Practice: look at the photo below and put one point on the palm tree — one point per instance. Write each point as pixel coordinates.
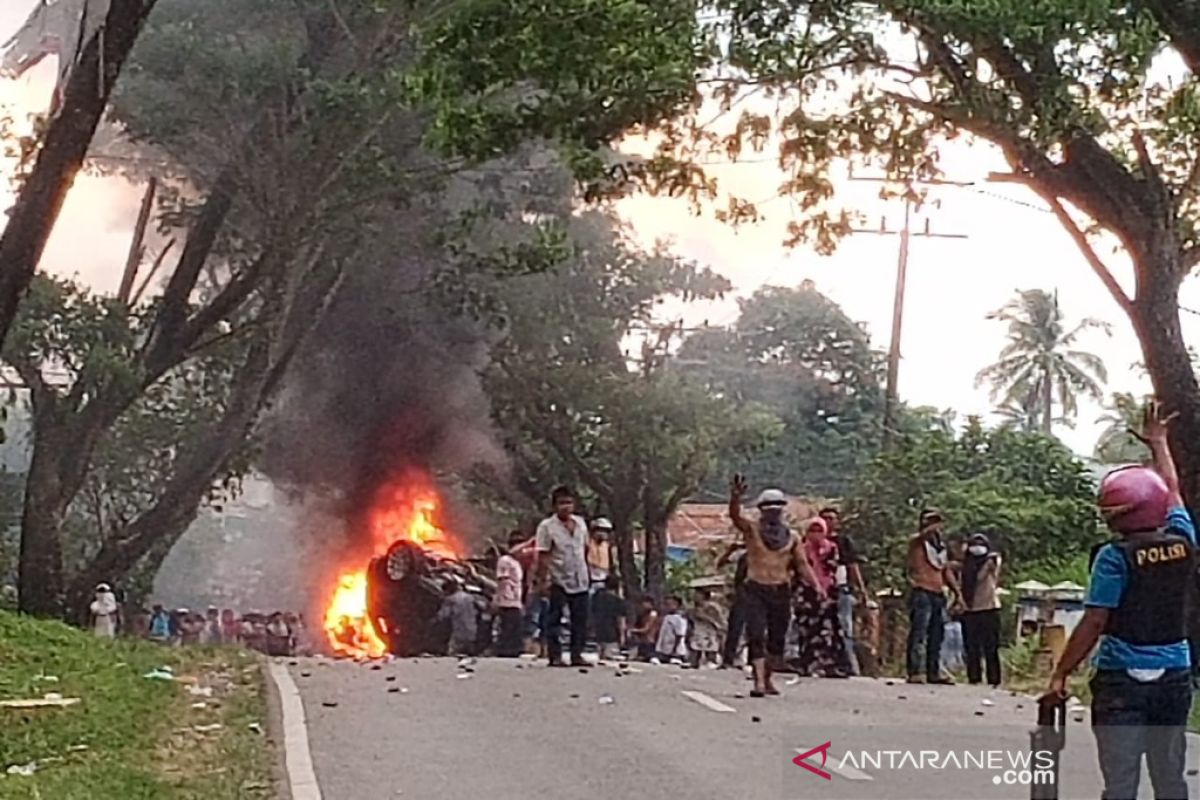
(1040, 367)
(1116, 444)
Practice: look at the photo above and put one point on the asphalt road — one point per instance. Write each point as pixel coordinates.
(518, 729)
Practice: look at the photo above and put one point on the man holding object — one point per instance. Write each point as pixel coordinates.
(1136, 608)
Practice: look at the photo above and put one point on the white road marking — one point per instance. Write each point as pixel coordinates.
(297, 758)
(708, 702)
(835, 765)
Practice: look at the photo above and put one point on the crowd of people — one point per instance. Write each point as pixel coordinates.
(279, 633)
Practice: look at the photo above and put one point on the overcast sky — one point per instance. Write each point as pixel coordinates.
(1013, 243)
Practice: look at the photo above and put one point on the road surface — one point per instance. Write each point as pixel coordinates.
(518, 729)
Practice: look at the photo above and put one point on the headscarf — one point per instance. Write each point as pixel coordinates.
(972, 566)
(775, 533)
(818, 552)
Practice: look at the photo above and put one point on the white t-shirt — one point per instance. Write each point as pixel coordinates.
(567, 552)
(510, 578)
(672, 636)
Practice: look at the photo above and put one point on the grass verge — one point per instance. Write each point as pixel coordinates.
(130, 737)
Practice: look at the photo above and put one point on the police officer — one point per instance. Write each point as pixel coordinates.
(1136, 608)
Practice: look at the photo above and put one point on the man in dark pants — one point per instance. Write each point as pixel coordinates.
(737, 609)
(563, 575)
(1136, 608)
(928, 579)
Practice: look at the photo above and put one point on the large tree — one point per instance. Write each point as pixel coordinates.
(286, 159)
(91, 70)
(1042, 365)
(574, 402)
(1093, 103)
(795, 353)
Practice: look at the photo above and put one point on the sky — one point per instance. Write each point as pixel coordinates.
(1013, 242)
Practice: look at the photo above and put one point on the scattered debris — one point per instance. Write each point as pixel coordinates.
(606, 700)
(979, 713)
(390, 679)
(901, 697)
(199, 706)
(890, 683)
(462, 676)
(160, 674)
(793, 681)
(78, 748)
(293, 663)
(305, 674)
(25, 770)
(574, 697)
(49, 701)
(404, 690)
(329, 703)
(256, 728)
(583, 670)
(855, 711)
(756, 719)
(216, 726)
(1193, 772)
(1020, 706)
(46, 678)
(394, 690)
(516, 694)
(986, 702)
(739, 696)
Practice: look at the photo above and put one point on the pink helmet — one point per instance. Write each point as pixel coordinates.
(1134, 499)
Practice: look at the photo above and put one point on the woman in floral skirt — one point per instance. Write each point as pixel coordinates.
(822, 649)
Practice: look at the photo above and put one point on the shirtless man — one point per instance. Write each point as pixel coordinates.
(773, 553)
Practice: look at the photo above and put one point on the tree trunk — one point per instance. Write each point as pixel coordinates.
(656, 560)
(1155, 317)
(66, 143)
(1047, 389)
(631, 579)
(40, 572)
(179, 503)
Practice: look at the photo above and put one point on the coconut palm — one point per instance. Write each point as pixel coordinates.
(1041, 367)
(1116, 444)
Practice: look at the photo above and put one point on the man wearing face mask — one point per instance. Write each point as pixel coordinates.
(928, 577)
(980, 581)
(773, 553)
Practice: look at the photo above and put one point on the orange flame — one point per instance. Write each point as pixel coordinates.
(403, 509)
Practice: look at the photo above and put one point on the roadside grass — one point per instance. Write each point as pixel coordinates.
(131, 738)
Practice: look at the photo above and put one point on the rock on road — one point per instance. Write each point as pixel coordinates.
(518, 729)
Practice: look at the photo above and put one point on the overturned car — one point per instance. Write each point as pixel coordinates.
(405, 589)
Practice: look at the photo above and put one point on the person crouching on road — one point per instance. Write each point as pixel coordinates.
(1136, 607)
(460, 609)
(773, 552)
(672, 633)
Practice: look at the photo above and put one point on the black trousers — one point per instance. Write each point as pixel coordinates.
(578, 605)
(768, 612)
(737, 626)
(509, 641)
(1132, 719)
(981, 640)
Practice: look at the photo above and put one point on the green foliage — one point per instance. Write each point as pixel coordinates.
(497, 72)
(1116, 444)
(795, 354)
(1026, 491)
(572, 404)
(1041, 364)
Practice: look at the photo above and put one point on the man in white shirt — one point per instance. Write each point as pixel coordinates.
(562, 573)
(510, 605)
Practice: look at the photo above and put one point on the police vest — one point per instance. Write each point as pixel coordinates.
(1154, 606)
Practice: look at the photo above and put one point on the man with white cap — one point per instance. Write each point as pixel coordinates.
(599, 552)
(773, 554)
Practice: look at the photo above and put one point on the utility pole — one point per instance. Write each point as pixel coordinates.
(892, 397)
